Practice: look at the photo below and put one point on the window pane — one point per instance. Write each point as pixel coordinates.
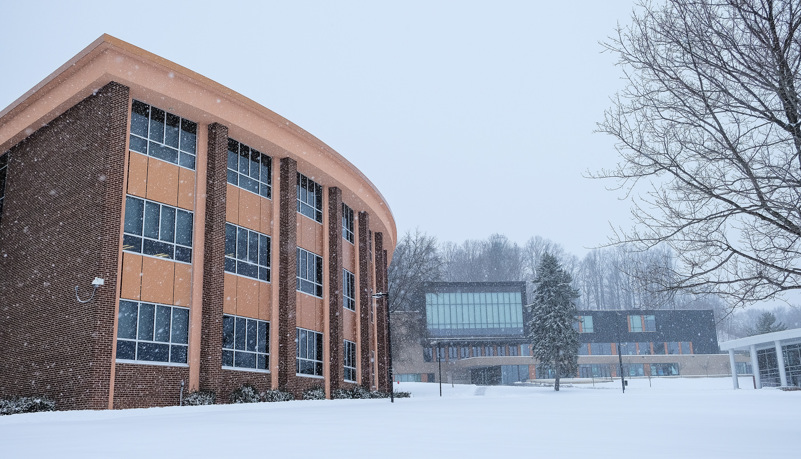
(139, 118)
(171, 130)
(188, 136)
(253, 247)
(263, 337)
(228, 332)
(230, 240)
(183, 228)
(152, 220)
(147, 313)
(156, 124)
(162, 328)
(153, 352)
(252, 336)
(241, 244)
(126, 328)
(178, 354)
(180, 325)
(240, 333)
(167, 224)
(126, 350)
(134, 213)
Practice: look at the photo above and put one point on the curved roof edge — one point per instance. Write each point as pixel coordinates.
(48, 99)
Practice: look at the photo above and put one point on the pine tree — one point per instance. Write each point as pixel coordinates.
(553, 311)
(766, 323)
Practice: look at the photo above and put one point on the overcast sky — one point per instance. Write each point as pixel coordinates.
(472, 118)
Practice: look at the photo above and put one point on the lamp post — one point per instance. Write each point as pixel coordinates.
(620, 354)
(385, 296)
(439, 366)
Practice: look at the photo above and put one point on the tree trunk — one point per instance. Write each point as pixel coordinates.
(556, 383)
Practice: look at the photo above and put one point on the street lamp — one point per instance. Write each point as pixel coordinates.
(385, 296)
(619, 353)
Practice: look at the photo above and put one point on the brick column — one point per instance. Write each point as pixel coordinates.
(335, 292)
(214, 261)
(382, 359)
(365, 300)
(287, 274)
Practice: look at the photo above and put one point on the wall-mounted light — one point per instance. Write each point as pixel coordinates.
(97, 282)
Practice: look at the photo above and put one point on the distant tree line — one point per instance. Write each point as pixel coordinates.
(613, 278)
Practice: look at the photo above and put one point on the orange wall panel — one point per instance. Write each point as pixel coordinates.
(349, 324)
(348, 256)
(137, 175)
(310, 235)
(249, 210)
(265, 301)
(131, 282)
(182, 291)
(162, 182)
(186, 189)
(266, 219)
(229, 290)
(247, 297)
(157, 280)
(232, 204)
(310, 312)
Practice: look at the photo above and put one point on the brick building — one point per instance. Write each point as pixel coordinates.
(234, 247)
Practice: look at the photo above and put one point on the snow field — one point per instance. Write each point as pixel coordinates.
(681, 418)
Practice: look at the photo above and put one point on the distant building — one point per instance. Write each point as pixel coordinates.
(775, 356)
(233, 246)
(477, 333)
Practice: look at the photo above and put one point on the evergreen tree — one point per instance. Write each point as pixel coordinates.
(766, 323)
(553, 311)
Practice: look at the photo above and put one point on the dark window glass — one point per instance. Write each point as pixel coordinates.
(183, 227)
(167, 226)
(156, 124)
(162, 326)
(178, 354)
(228, 332)
(240, 334)
(180, 326)
(167, 133)
(134, 214)
(152, 220)
(126, 350)
(147, 315)
(126, 323)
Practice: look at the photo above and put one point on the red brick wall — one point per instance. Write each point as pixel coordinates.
(287, 276)
(214, 262)
(143, 386)
(60, 228)
(381, 316)
(336, 325)
(364, 298)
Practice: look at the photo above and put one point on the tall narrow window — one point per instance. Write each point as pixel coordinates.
(347, 223)
(309, 273)
(310, 198)
(350, 361)
(249, 169)
(349, 289)
(585, 324)
(309, 353)
(163, 135)
(247, 252)
(246, 343)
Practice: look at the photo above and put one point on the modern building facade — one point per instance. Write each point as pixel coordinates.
(477, 333)
(233, 246)
(775, 358)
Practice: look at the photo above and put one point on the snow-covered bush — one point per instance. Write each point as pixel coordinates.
(277, 396)
(245, 394)
(200, 397)
(26, 405)
(402, 394)
(356, 392)
(315, 393)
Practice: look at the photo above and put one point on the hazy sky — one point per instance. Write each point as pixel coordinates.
(471, 118)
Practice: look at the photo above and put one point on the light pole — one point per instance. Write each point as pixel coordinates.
(385, 296)
(620, 354)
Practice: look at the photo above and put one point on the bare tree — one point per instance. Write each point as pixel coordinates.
(709, 123)
(416, 261)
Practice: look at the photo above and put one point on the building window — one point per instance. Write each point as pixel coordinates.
(157, 229)
(163, 135)
(525, 350)
(585, 324)
(464, 352)
(310, 198)
(152, 332)
(628, 348)
(452, 353)
(664, 369)
(249, 169)
(247, 253)
(584, 349)
(246, 343)
(501, 351)
(514, 350)
(309, 353)
(600, 349)
(350, 361)
(659, 348)
(594, 370)
(347, 223)
(686, 347)
(672, 347)
(476, 351)
(640, 323)
(3, 172)
(428, 354)
(634, 369)
(409, 377)
(475, 313)
(349, 289)
(310, 273)
(643, 348)
(489, 351)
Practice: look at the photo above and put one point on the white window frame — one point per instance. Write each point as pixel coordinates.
(348, 290)
(350, 361)
(232, 348)
(306, 356)
(309, 267)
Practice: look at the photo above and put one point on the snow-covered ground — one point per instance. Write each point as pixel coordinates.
(675, 418)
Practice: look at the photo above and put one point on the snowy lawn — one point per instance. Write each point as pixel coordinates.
(675, 418)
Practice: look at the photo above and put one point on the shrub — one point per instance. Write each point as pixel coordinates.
(200, 397)
(277, 396)
(245, 394)
(315, 393)
(26, 405)
(356, 392)
(401, 394)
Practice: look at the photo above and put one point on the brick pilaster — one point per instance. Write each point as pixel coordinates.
(214, 261)
(382, 359)
(365, 299)
(287, 272)
(335, 286)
